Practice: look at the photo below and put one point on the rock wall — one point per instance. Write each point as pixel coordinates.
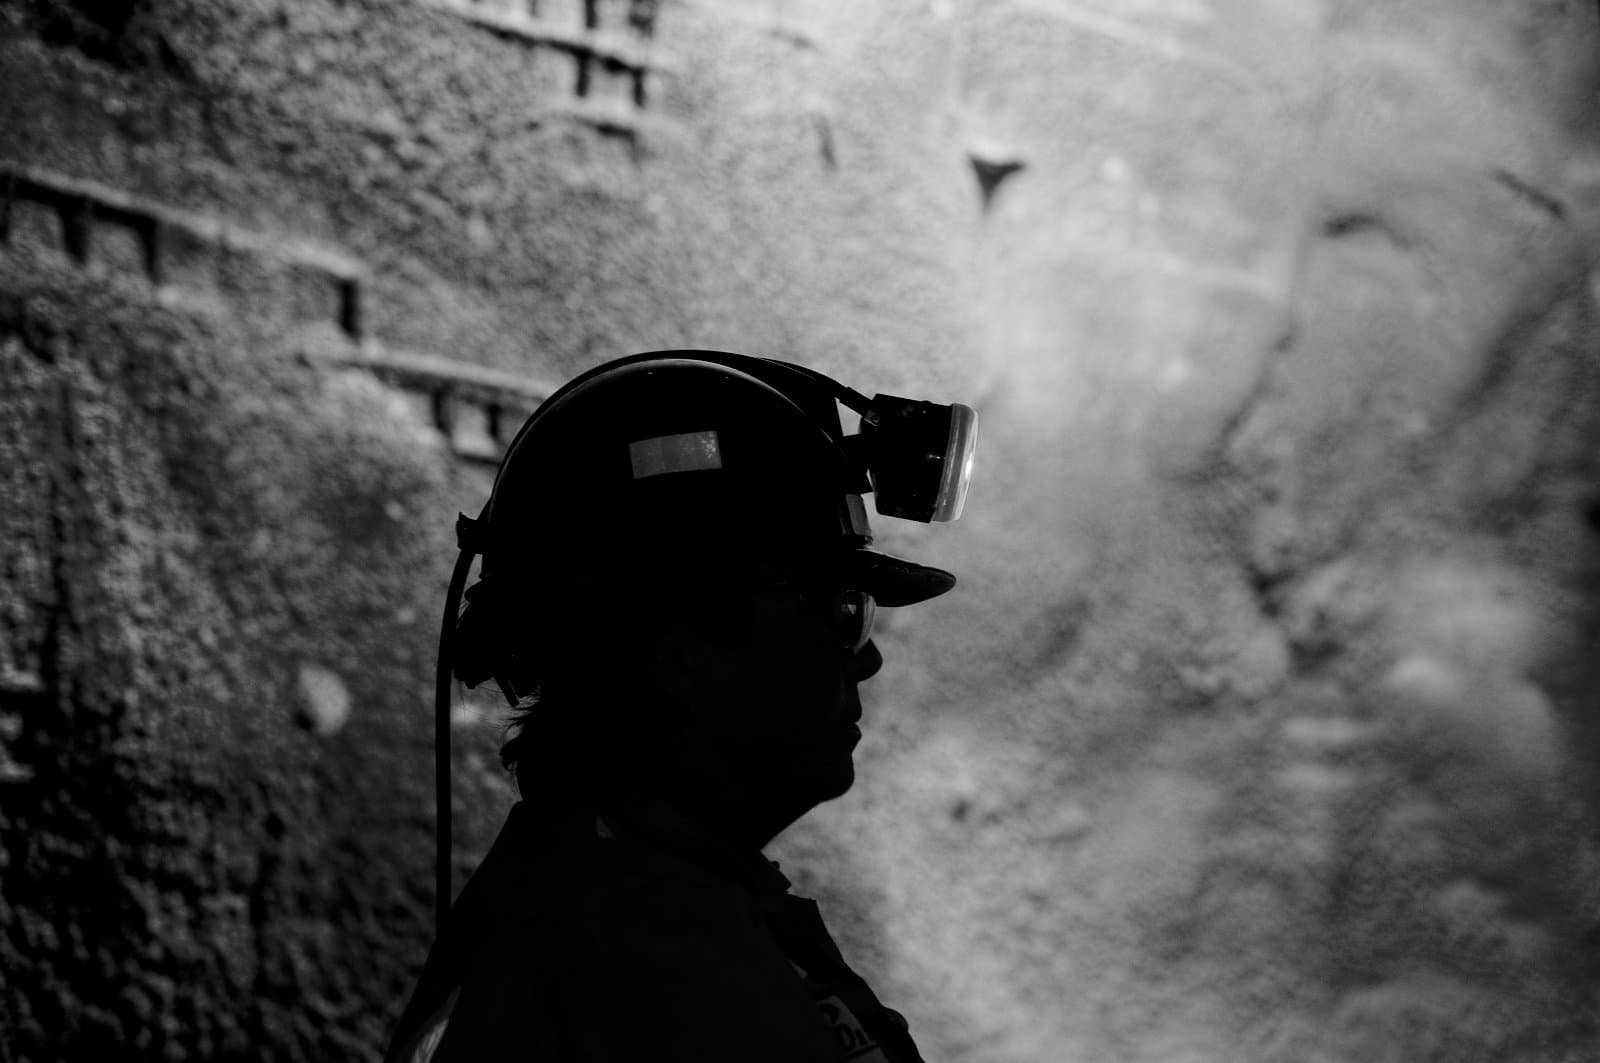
(1259, 728)
(1285, 755)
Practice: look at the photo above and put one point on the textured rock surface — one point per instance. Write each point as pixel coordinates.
(1260, 727)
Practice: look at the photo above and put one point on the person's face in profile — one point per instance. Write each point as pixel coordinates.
(766, 672)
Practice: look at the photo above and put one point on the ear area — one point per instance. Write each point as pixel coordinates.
(504, 633)
(480, 642)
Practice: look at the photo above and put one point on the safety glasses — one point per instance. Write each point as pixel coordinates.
(854, 612)
(850, 611)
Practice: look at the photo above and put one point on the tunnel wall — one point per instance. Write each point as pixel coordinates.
(1260, 726)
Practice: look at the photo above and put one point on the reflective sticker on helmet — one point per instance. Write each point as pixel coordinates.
(680, 453)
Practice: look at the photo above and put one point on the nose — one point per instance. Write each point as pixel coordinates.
(866, 662)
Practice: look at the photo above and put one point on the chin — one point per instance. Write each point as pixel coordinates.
(839, 782)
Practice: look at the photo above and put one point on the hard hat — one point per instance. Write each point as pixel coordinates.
(673, 462)
(667, 466)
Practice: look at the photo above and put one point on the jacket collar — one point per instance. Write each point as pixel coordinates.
(651, 821)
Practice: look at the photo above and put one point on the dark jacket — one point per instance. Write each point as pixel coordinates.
(599, 939)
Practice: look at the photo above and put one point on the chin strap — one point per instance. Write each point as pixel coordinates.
(467, 535)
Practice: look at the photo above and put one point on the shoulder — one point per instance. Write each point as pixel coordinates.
(614, 950)
(678, 963)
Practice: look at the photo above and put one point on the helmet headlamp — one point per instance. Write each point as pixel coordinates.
(920, 456)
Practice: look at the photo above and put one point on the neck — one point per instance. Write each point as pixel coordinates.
(732, 820)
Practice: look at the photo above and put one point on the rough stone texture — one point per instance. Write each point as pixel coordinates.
(1260, 726)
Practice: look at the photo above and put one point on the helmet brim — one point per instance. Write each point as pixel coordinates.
(893, 581)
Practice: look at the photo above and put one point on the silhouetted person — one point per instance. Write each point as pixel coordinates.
(676, 593)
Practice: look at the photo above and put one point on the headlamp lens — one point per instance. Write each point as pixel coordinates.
(956, 473)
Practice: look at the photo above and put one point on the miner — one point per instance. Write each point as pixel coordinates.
(677, 597)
